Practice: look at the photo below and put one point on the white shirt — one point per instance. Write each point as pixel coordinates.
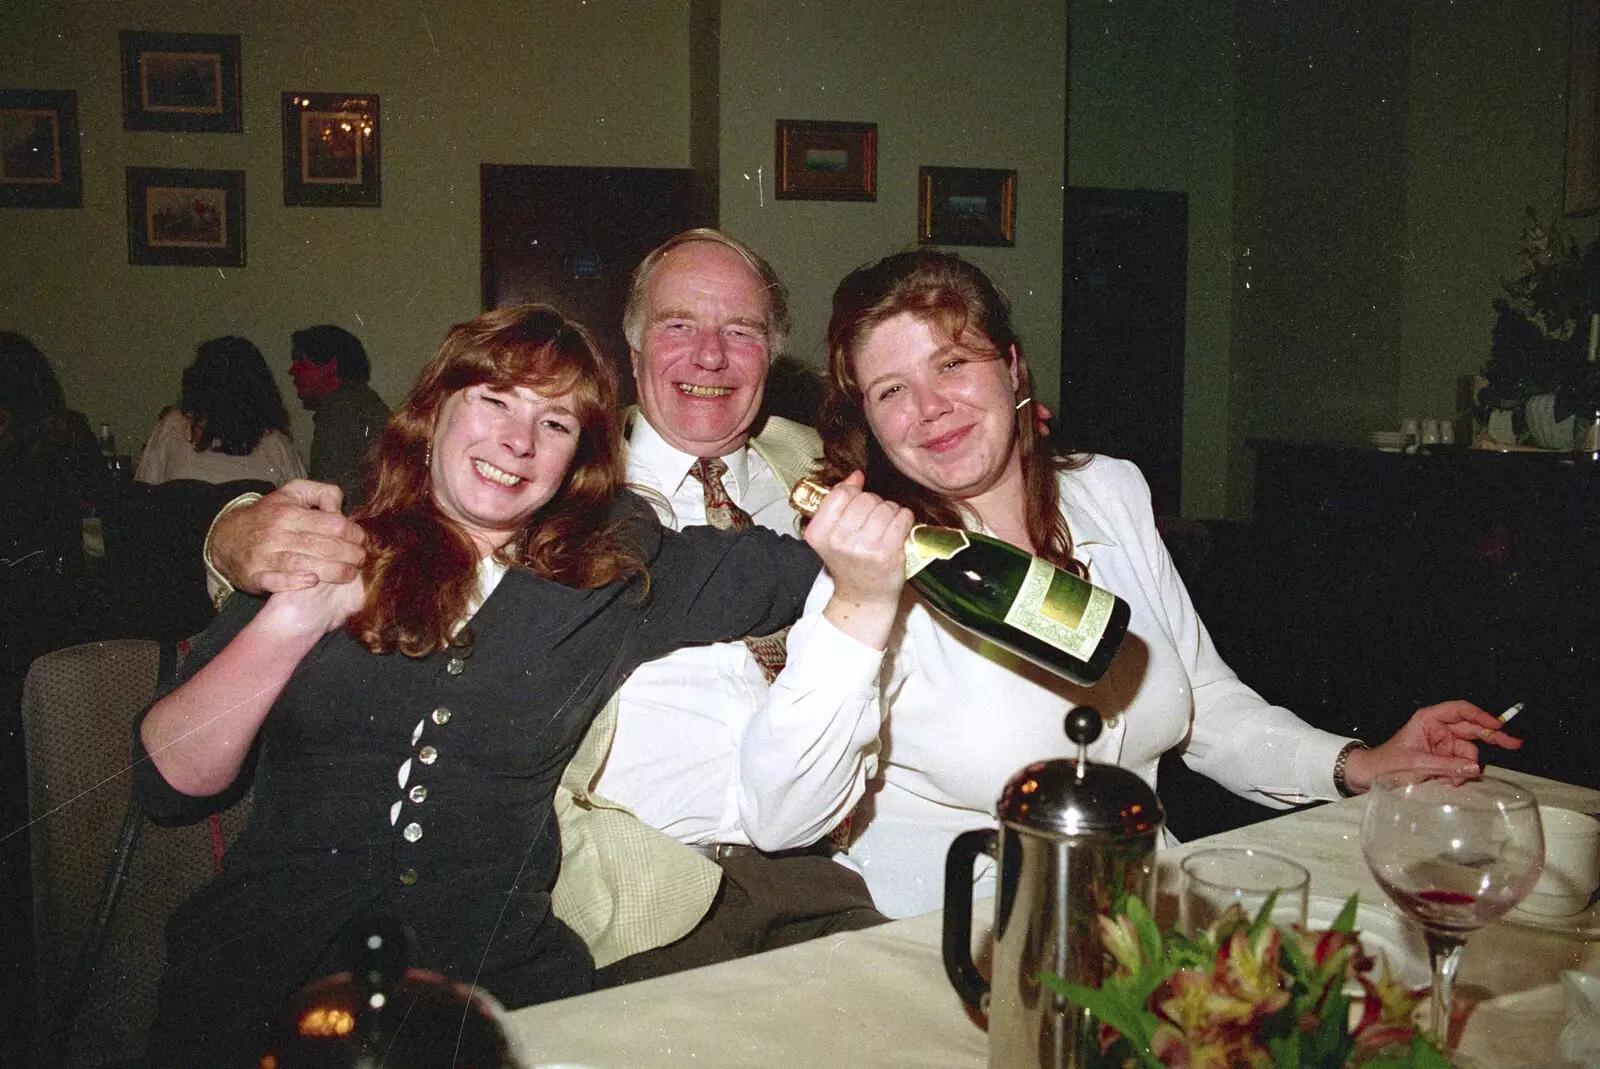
(682, 718)
(170, 454)
(963, 716)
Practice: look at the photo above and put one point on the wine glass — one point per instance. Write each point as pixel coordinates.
(1455, 854)
(1212, 880)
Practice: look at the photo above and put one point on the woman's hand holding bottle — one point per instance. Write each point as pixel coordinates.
(861, 539)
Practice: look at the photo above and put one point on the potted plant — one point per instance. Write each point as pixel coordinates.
(1245, 994)
(1538, 374)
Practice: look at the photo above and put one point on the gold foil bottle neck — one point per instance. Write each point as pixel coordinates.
(807, 495)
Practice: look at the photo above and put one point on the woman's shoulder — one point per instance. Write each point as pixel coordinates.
(637, 526)
(171, 421)
(273, 438)
(1101, 477)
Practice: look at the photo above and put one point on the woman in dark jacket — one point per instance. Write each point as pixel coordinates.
(405, 732)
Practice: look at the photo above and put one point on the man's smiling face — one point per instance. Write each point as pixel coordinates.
(703, 362)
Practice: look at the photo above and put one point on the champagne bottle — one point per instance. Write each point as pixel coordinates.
(1014, 599)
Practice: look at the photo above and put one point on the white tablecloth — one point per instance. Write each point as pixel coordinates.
(880, 997)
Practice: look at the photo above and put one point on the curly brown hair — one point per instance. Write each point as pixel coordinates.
(960, 301)
(421, 566)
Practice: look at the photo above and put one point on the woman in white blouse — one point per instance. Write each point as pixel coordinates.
(230, 423)
(930, 396)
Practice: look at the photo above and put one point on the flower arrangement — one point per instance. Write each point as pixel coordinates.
(1242, 993)
(1540, 341)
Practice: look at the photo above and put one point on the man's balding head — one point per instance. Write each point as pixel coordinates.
(704, 319)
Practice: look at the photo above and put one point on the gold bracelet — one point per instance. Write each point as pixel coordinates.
(1339, 763)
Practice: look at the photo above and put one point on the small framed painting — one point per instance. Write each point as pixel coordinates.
(826, 160)
(330, 150)
(185, 82)
(40, 164)
(183, 218)
(966, 206)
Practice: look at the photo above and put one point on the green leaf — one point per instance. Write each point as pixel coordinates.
(1131, 1020)
(1418, 1054)
(1345, 922)
(1332, 1036)
(1263, 917)
(1425, 1055)
(1285, 1051)
(1144, 924)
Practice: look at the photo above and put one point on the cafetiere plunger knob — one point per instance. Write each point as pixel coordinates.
(1083, 727)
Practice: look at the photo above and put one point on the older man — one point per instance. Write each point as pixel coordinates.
(705, 318)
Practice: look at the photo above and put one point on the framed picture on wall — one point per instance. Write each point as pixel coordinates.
(826, 160)
(330, 150)
(183, 218)
(186, 82)
(1583, 116)
(40, 165)
(966, 206)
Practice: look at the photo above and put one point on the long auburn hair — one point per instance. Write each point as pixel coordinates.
(421, 567)
(957, 299)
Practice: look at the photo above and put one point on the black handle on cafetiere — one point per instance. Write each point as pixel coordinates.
(958, 963)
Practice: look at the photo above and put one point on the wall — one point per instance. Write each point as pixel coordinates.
(463, 82)
(1488, 121)
(1356, 178)
(1319, 225)
(1373, 161)
(1151, 107)
(968, 92)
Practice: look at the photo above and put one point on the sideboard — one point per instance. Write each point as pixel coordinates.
(1376, 582)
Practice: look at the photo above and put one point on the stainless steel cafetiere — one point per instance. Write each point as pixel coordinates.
(1074, 837)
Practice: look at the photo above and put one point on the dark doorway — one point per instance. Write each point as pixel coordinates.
(1124, 294)
(571, 237)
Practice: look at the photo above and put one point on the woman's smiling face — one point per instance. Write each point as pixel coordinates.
(943, 411)
(499, 456)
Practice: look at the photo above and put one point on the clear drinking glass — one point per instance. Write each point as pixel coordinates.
(1454, 854)
(1209, 881)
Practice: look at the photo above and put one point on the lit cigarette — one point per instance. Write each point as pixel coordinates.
(1504, 718)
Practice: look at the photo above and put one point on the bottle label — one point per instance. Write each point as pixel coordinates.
(928, 544)
(1059, 608)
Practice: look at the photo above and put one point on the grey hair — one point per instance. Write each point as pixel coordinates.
(637, 310)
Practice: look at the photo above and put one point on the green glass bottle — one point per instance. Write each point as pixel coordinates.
(1014, 599)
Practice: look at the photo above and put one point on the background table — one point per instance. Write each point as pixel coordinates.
(880, 998)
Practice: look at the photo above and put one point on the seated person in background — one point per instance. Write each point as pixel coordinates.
(330, 370)
(51, 476)
(928, 395)
(50, 466)
(230, 423)
(405, 731)
(667, 867)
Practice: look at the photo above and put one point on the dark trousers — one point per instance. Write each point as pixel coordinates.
(765, 902)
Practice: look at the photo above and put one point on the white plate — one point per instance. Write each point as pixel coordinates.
(1383, 934)
(1582, 925)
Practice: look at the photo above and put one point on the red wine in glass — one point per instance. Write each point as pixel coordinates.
(1452, 911)
(1454, 855)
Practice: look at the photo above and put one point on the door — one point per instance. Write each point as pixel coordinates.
(571, 237)
(1124, 296)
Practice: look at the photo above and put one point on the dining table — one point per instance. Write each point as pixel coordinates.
(879, 997)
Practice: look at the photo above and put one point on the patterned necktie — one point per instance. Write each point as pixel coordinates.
(768, 650)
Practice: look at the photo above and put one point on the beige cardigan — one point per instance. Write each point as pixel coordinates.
(626, 887)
